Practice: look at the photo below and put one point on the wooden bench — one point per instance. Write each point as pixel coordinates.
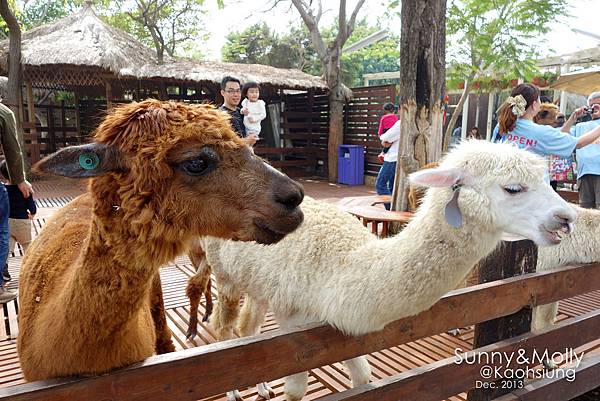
(569, 196)
(376, 216)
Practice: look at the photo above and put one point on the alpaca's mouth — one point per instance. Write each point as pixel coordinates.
(265, 234)
(556, 236)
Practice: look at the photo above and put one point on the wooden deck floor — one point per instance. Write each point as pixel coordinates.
(51, 195)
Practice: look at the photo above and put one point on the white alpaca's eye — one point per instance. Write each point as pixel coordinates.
(513, 189)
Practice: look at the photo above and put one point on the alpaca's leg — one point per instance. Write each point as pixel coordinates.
(164, 342)
(226, 312)
(295, 386)
(542, 317)
(224, 318)
(209, 301)
(252, 316)
(360, 370)
(197, 284)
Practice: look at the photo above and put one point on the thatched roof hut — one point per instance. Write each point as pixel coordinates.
(83, 55)
(82, 50)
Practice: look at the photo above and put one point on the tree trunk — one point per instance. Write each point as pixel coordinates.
(458, 111)
(337, 100)
(15, 74)
(422, 87)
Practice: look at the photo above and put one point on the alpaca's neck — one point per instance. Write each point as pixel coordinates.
(111, 283)
(408, 273)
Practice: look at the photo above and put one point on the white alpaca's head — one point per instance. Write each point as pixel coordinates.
(501, 188)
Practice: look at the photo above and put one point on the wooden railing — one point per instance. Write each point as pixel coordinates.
(204, 371)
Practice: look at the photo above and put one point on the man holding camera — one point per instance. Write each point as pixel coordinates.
(588, 157)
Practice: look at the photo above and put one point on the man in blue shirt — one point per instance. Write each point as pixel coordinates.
(588, 157)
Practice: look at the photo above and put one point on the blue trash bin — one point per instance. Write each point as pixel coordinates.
(351, 164)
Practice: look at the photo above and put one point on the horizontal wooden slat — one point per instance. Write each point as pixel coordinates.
(285, 151)
(306, 136)
(204, 371)
(586, 375)
(291, 163)
(447, 377)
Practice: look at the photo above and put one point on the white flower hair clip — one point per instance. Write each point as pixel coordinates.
(518, 103)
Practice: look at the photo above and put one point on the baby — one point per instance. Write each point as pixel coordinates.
(253, 108)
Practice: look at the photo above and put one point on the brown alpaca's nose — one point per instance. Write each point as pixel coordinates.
(288, 193)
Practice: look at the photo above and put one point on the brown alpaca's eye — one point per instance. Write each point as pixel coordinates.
(194, 167)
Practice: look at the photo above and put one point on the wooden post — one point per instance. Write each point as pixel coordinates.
(465, 118)
(509, 259)
(490, 116)
(109, 103)
(162, 91)
(77, 117)
(35, 149)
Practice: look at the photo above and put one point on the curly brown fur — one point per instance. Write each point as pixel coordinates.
(164, 342)
(549, 114)
(86, 280)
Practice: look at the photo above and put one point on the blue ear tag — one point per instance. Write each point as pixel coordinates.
(89, 161)
(452, 212)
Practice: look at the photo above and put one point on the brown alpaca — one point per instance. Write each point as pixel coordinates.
(164, 173)
(549, 114)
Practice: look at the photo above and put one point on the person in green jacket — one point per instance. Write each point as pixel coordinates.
(16, 170)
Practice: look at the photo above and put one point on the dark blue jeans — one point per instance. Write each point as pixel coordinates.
(4, 234)
(385, 180)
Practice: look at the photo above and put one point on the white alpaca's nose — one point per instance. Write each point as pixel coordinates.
(566, 217)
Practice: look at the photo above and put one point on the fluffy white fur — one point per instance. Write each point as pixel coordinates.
(334, 270)
(578, 247)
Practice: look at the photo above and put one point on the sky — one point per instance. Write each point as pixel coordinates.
(240, 14)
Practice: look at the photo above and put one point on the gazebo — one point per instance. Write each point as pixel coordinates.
(99, 65)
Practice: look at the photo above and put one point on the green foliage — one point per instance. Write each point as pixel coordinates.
(382, 56)
(258, 44)
(488, 39)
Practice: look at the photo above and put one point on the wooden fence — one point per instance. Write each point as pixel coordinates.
(306, 125)
(361, 121)
(205, 371)
(56, 126)
(304, 138)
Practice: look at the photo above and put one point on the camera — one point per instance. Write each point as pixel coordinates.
(589, 109)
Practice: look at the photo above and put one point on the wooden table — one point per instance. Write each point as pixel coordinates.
(378, 199)
(375, 216)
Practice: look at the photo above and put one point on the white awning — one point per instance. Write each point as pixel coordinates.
(582, 82)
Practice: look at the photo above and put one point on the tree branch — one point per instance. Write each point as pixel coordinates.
(313, 28)
(352, 20)
(342, 33)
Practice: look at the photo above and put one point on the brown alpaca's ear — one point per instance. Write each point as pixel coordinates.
(83, 161)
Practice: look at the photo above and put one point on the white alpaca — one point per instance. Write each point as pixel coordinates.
(334, 270)
(578, 247)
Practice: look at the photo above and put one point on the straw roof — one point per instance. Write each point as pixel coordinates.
(81, 39)
(84, 41)
(194, 70)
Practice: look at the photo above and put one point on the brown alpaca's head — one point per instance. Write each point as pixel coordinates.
(172, 171)
(549, 114)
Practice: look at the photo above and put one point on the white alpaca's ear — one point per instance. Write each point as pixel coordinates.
(440, 177)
